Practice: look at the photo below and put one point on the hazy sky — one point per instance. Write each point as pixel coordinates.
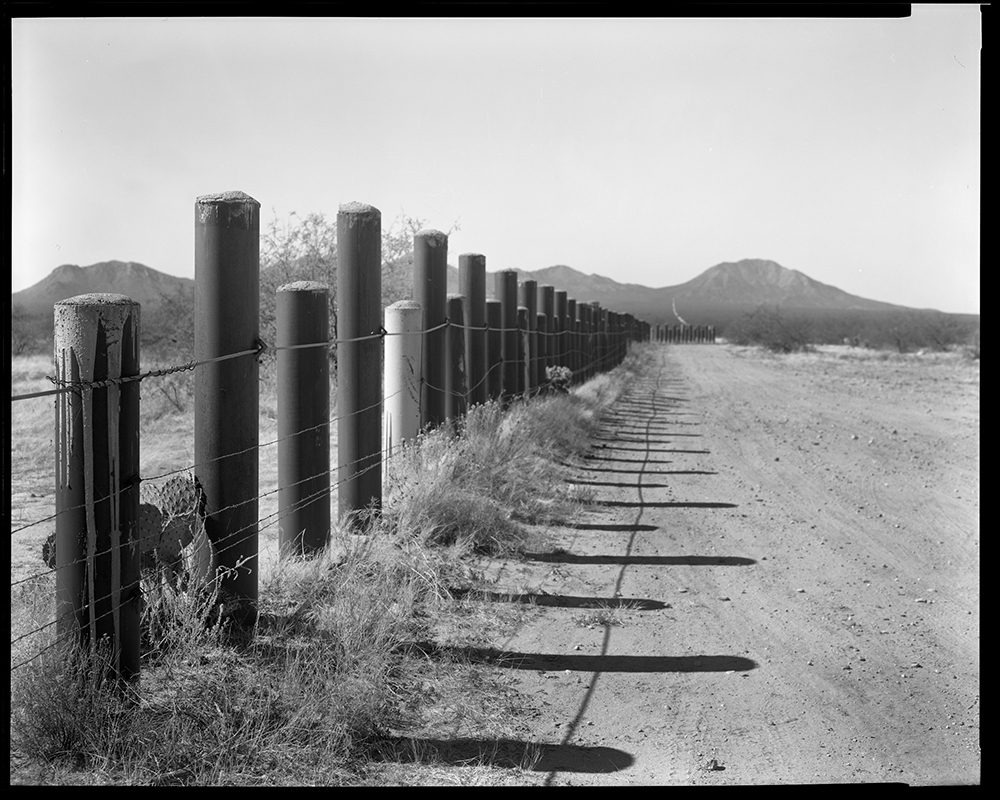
(643, 150)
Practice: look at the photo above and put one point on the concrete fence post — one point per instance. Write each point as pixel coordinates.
(303, 318)
(542, 341)
(560, 298)
(528, 297)
(455, 398)
(96, 338)
(404, 323)
(227, 394)
(430, 290)
(506, 293)
(359, 360)
(613, 337)
(547, 306)
(472, 285)
(523, 352)
(571, 348)
(599, 345)
(494, 350)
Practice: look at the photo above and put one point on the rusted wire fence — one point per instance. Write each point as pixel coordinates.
(421, 365)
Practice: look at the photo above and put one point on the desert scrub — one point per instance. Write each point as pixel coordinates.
(767, 327)
(473, 484)
(326, 676)
(330, 677)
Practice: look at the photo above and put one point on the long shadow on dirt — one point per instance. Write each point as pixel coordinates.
(565, 601)
(643, 471)
(589, 663)
(654, 561)
(508, 753)
(641, 504)
(608, 526)
(619, 448)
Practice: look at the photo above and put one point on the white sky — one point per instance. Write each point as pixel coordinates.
(643, 150)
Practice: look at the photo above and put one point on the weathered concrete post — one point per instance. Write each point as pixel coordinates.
(430, 290)
(612, 340)
(541, 340)
(303, 318)
(359, 360)
(227, 393)
(547, 306)
(527, 296)
(455, 398)
(506, 293)
(571, 336)
(577, 338)
(599, 345)
(96, 338)
(472, 285)
(494, 353)
(562, 349)
(404, 323)
(523, 351)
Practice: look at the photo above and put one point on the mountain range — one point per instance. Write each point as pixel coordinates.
(143, 284)
(721, 291)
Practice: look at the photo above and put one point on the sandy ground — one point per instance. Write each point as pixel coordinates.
(779, 585)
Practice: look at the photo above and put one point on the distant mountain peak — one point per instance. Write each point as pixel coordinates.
(143, 284)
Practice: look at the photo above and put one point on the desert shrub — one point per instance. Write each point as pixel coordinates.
(971, 346)
(328, 672)
(30, 332)
(559, 379)
(474, 485)
(767, 327)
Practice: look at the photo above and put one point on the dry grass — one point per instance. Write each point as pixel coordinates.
(329, 688)
(475, 485)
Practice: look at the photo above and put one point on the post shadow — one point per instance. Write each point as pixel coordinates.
(640, 504)
(506, 753)
(580, 662)
(645, 471)
(564, 601)
(648, 561)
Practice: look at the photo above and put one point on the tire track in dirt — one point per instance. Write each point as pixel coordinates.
(650, 433)
(574, 724)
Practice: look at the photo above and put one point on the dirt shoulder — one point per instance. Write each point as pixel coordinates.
(779, 583)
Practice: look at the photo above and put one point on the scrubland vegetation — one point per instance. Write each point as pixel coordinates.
(904, 331)
(333, 685)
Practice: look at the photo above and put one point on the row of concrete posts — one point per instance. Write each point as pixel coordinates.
(683, 334)
(442, 354)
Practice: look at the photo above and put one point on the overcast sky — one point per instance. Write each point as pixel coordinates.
(643, 150)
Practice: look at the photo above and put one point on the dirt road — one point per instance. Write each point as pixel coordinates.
(779, 584)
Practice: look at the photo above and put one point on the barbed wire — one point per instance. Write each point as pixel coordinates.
(262, 348)
(192, 467)
(605, 341)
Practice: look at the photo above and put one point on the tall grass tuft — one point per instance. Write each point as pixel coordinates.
(326, 674)
(475, 483)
